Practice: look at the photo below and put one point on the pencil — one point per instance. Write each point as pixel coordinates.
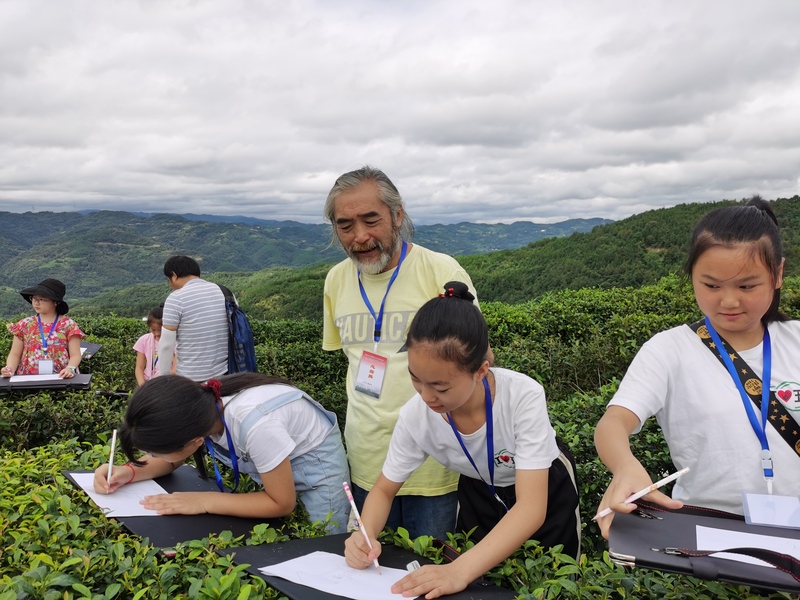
(607, 511)
(358, 521)
(111, 457)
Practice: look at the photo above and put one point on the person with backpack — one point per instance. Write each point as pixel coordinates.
(253, 423)
(196, 318)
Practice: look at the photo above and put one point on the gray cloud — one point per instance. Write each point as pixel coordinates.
(484, 112)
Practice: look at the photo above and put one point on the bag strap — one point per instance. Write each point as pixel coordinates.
(779, 417)
(262, 409)
(229, 297)
(784, 562)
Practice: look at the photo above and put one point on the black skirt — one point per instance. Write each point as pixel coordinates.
(479, 508)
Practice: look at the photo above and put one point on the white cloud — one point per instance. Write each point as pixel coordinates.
(478, 111)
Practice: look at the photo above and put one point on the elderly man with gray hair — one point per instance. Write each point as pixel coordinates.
(370, 299)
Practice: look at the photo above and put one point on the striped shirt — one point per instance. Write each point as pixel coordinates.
(198, 311)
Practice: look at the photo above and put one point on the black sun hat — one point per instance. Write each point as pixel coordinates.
(49, 288)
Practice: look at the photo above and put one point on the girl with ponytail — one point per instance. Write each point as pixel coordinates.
(255, 424)
(486, 423)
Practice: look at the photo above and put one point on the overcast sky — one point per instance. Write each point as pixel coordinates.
(479, 111)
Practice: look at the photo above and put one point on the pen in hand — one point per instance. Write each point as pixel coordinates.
(111, 457)
(607, 511)
(358, 521)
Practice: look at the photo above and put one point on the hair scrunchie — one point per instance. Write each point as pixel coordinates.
(457, 289)
(215, 385)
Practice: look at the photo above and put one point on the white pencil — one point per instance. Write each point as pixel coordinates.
(358, 521)
(607, 511)
(111, 458)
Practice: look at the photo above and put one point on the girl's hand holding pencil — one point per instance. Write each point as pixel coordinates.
(359, 550)
(108, 478)
(629, 482)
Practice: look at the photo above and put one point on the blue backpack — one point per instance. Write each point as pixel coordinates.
(241, 346)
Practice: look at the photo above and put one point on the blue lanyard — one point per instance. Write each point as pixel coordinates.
(489, 443)
(379, 317)
(50, 333)
(231, 452)
(760, 428)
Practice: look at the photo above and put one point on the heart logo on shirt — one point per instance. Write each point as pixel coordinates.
(785, 395)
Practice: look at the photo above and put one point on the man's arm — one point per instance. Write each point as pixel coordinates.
(166, 345)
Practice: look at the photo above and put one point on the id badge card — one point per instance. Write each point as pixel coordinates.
(45, 367)
(371, 372)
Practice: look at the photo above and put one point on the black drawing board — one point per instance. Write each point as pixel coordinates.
(165, 531)
(391, 556)
(632, 540)
(90, 349)
(81, 381)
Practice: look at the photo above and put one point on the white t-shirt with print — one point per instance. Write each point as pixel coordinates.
(677, 379)
(523, 436)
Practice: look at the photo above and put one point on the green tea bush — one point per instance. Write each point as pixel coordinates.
(55, 544)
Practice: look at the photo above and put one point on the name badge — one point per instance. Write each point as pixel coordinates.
(371, 372)
(45, 367)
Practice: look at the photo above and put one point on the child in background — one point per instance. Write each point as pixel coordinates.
(679, 376)
(254, 424)
(48, 343)
(486, 423)
(146, 348)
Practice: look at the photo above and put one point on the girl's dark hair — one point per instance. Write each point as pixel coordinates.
(156, 314)
(454, 325)
(167, 412)
(753, 223)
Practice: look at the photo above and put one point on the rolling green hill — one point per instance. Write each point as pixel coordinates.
(632, 252)
(102, 253)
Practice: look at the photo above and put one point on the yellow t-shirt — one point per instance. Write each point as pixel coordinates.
(348, 325)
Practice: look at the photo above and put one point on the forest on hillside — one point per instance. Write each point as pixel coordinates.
(636, 251)
(105, 251)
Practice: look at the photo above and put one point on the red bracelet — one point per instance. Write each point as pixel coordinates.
(133, 472)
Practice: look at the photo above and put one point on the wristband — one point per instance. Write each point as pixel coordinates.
(133, 473)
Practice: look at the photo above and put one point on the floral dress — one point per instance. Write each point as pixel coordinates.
(57, 343)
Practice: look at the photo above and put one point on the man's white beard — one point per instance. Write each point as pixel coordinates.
(378, 266)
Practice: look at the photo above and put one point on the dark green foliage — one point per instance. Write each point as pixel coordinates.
(578, 344)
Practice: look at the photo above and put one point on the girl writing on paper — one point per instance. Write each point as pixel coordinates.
(147, 365)
(48, 343)
(253, 423)
(486, 423)
(703, 382)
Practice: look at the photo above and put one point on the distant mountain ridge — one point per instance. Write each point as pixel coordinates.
(97, 252)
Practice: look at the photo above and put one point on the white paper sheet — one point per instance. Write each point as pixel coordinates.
(709, 538)
(772, 510)
(22, 378)
(329, 573)
(125, 501)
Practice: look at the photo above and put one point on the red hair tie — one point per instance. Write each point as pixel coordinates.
(215, 385)
(448, 293)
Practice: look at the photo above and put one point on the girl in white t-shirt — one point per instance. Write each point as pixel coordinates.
(253, 423)
(735, 264)
(488, 424)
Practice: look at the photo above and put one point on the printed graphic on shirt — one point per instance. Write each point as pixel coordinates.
(504, 458)
(788, 392)
(359, 328)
